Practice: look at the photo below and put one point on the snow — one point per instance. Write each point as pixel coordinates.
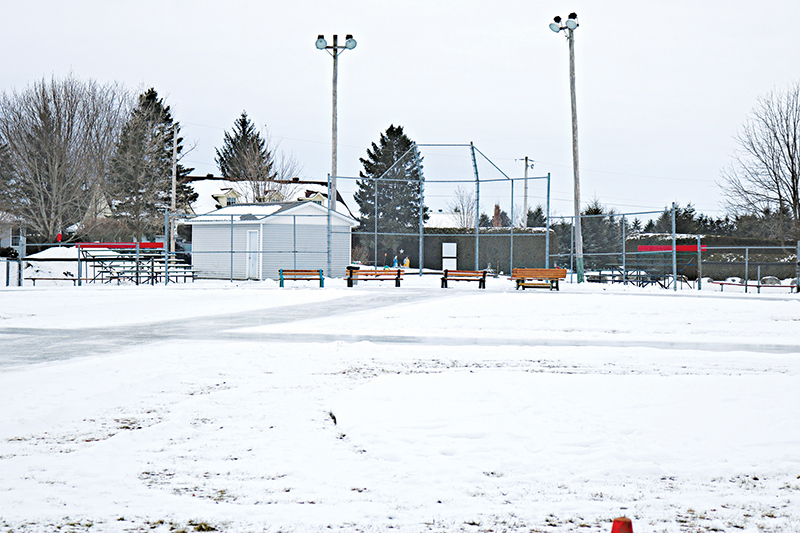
(455, 410)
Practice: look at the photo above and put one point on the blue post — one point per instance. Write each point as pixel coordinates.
(166, 248)
(699, 265)
(547, 235)
(477, 206)
(674, 252)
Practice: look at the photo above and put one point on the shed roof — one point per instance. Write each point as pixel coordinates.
(273, 212)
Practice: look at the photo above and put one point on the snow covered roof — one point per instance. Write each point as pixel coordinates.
(248, 213)
(207, 189)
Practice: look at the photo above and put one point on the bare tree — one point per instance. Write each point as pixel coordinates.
(270, 182)
(462, 207)
(56, 137)
(764, 177)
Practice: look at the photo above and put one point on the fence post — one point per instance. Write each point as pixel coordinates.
(746, 267)
(231, 248)
(571, 249)
(421, 210)
(8, 272)
(758, 281)
(329, 225)
(511, 245)
(674, 252)
(375, 243)
(137, 260)
(477, 206)
(80, 266)
(699, 265)
(624, 269)
(166, 251)
(547, 235)
(797, 269)
(294, 241)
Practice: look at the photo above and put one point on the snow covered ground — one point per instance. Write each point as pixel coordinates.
(246, 407)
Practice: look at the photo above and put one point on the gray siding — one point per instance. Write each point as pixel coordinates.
(305, 247)
(294, 241)
(211, 245)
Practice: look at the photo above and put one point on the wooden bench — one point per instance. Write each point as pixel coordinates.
(301, 275)
(538, 278)
(464, 275)
(380, 274)
(34, 280)
(748, 285)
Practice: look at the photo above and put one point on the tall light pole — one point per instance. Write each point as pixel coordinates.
(569, 26)
(334, 50)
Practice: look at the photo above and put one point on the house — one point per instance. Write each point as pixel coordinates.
(216, 193)
(253, 241)
(225, 197)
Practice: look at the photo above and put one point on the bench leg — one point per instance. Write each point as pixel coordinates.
(349, 282)
(444, 283)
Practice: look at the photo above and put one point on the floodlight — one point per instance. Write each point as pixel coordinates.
(321, 42)
(557, 19)
(350, 43)
(571, 24)
(555, 27)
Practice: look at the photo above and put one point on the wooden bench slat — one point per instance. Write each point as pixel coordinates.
(356, 274)
(538, 278)
(464, 275)
(301, 275)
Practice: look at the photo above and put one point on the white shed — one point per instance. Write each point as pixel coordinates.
(253, 241)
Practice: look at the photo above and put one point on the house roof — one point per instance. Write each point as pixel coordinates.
(209, 186)
(272, 212)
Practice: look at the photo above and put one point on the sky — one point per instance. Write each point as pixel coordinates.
(662, 88)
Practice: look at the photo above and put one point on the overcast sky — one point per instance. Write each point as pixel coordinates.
(662, 87)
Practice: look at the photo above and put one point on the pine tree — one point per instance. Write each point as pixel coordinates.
(139, 183)
(398, 191)
(251, 159)
(536, 218)
(244, 155)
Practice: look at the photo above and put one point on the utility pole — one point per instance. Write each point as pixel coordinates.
(335, 123)
(525, 196)
(575, 165)
(569, 26)
(334, 50)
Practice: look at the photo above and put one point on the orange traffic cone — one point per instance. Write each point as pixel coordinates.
(622, 525)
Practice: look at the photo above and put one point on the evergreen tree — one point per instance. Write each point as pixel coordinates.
(602, 233)
(247, 157)
(536, 218)
(139, 183)
(398, 191)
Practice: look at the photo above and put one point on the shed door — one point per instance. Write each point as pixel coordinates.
(252, 255)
